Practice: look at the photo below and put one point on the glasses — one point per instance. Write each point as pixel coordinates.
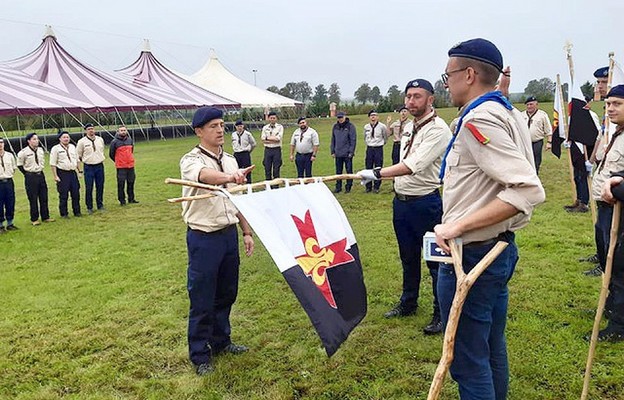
(445, 76)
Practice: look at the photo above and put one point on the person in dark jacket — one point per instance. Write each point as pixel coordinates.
(342, 148)
(122, 153)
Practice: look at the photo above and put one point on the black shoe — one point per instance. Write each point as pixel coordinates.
(337, 190)
(133, 202)
(581, 208)
(590, 259)
(348, 190)
(610, 335)
(375, 191)
(122, 204)
(368, 190)
(596, 271)
(65, 216)
(204, 369)
(89, 211)
(78, 215)
(234, 349)
(571, 206)
(11, 227)
(400, 311)
(434, 327)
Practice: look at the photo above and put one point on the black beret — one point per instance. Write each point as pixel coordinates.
(238, 122)
(61, 133)
(300, 119)
(340, 114)
(616, 91)
(371, 112)
(419, 83)
(601, 72)
(203, 115)
(480, 50)
(89, 125)
(29, 136)
(530, 99)
(272, 113)
(402, 108)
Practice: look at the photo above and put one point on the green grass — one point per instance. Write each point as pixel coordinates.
(96, 307)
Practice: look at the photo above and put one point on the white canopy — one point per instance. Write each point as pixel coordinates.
(214, 77)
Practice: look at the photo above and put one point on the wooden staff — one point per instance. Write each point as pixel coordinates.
(462, 286)
(606, 279)
(563, 124)
(243, 188)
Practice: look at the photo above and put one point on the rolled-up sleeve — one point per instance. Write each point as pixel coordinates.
(190, 167)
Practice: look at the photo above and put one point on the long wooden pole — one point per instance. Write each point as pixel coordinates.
(246, 187)
(592, 203)
(606, 279)
(462, 286)
(563, 123)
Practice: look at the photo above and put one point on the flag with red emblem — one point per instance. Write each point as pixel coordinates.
(307, 234)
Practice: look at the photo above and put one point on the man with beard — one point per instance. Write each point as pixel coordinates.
(122, 153)
(305, 142)
(417, 205)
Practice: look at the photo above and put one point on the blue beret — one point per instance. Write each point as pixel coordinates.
(419, 83)
(29, 136)
(480, 50)
(530, 99)
(272, 113)
(238, 122)
(340, 114)
(300, 119)
(61, 133)
(203, 115)
(371, 112)
(616, 91)
(601, 72)
(88, 126)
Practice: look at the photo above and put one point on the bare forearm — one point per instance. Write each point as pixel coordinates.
(493, 213)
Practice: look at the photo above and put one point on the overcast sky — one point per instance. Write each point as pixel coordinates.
(348, 42)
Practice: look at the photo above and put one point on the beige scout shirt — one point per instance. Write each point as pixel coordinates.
(540, 125)
(377, 138)
(613, 162)
(91, 151)
(268, 130)
(26, 158)
(397, 128)
(476, 174)
(64, 158)
(424, 157)
(7, 165)
(304, 142)
(243, 141)
(211, 214)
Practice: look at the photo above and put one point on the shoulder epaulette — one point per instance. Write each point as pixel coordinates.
(477, 135)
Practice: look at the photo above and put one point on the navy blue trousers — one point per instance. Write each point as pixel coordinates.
(94, 174)
(69, 184)
(582, 188)
(374, 158)
(272, 162)
(243, 159)
(7, 200)
(37, 192)
(480, 364)
(411, 220)
(347, 164)
(212, 288)
(304, 165)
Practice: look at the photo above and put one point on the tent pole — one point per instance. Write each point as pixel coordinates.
(162, 137)
(138, 122)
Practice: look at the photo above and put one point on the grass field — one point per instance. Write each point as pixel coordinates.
(96, 307)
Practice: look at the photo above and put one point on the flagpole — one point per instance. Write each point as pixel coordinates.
(606, 279)
(563, 122)
(607, 122)
(246, 187)
(462, 286)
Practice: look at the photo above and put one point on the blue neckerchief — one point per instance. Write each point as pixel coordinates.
(496, 96)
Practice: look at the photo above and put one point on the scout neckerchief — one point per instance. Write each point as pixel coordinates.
(415, 129)
(210, 155)
(496, 96)
(240, 135)
(373, 130)
(2, 161)
(35, 151)
(401, 123)
(92, 142)
(604, 158)
(530, 121)
(302, 131)
(67, 151)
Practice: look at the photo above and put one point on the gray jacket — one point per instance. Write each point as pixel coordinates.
(343, 139)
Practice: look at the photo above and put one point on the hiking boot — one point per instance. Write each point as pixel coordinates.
(434, 327)
(400, 311)
(204, 369)
(571, 206)
(235, 349)
(11, 227)
(581, 208)
(596, 271)
(608, 334)
(590, 259)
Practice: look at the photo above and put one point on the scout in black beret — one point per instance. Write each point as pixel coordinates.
(480, 50)
(204, 115)
(419, 83)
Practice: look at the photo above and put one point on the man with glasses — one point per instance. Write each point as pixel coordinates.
(375, 136)
(490, 190)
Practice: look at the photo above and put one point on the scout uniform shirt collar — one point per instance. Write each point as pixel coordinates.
(35, 151)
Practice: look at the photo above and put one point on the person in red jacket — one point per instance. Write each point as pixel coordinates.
(122, 153)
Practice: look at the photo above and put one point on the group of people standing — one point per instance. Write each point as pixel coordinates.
(67, 161)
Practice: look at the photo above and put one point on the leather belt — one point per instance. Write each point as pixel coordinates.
(501, 237)
(405, 197)
(5, 180)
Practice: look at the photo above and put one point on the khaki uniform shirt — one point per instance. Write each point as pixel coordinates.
(613, 162)
(211, 214)
(64, 158)
(243, 141)
(304, 142)
(476, 174)
(268, 130)
(424, 157)
(7, 165)
(91, 151)
(377, 138)
(540, 125)
(26, 158)
(397, 128)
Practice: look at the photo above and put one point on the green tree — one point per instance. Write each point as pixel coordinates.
(362, 94)
(395, 97)
(375, 94)
(542, 89)
(442, 98)
(320, 103)
(334, 93)
(303, 91)
(289, 90)
(273, 89)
